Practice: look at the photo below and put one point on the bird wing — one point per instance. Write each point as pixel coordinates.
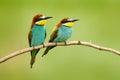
(52, 37)
(54, 34)
(45, 34)
(29, 38)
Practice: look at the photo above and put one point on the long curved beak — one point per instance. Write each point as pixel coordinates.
(75, 20)
(48, 17)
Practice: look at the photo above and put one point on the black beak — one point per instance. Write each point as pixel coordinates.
(48, 17)
(74, 20)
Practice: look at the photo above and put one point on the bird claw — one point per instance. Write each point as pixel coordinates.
(56, 43)
(43, 45)
(79, 42)
(33, 47)
(65, 43)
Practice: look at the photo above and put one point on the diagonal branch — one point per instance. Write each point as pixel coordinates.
(59, 44)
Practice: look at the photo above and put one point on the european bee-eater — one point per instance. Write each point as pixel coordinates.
(61, 32)
(37, 34)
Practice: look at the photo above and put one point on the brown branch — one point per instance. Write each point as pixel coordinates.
(58, 44)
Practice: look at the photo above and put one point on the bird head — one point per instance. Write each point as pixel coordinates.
(68, 22)
(39, 19)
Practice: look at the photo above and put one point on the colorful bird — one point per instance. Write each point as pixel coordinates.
(37, 34)
(61, 32)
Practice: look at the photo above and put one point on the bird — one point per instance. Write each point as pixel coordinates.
(37, 34)
(61, 32)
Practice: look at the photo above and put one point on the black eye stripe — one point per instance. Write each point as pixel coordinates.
(65, 21)
(38, 19)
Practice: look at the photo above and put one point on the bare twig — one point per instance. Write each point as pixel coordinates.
(58, 44)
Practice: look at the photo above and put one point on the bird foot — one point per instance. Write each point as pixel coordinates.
(65, 43)
(33, 47)
(43, 45)
(56, 43)
(79, 42)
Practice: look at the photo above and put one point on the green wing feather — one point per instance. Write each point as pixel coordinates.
(29, 38)
(33, 56)
(53, 36)
(33, 52)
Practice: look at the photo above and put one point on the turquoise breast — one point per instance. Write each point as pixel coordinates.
(37, 35)
(63, 34)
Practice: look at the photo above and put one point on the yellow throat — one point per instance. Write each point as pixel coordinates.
(41, 22)
(69, 24)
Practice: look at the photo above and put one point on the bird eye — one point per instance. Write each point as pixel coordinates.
(65, 21)
(38, 19)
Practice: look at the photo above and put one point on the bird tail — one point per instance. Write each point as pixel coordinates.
(33, 56)
(47, 49)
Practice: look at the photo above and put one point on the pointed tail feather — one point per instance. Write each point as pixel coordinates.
(47, 49)
(33, 56)
(32, 61)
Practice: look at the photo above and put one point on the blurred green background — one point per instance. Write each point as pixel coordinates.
(99, 23)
